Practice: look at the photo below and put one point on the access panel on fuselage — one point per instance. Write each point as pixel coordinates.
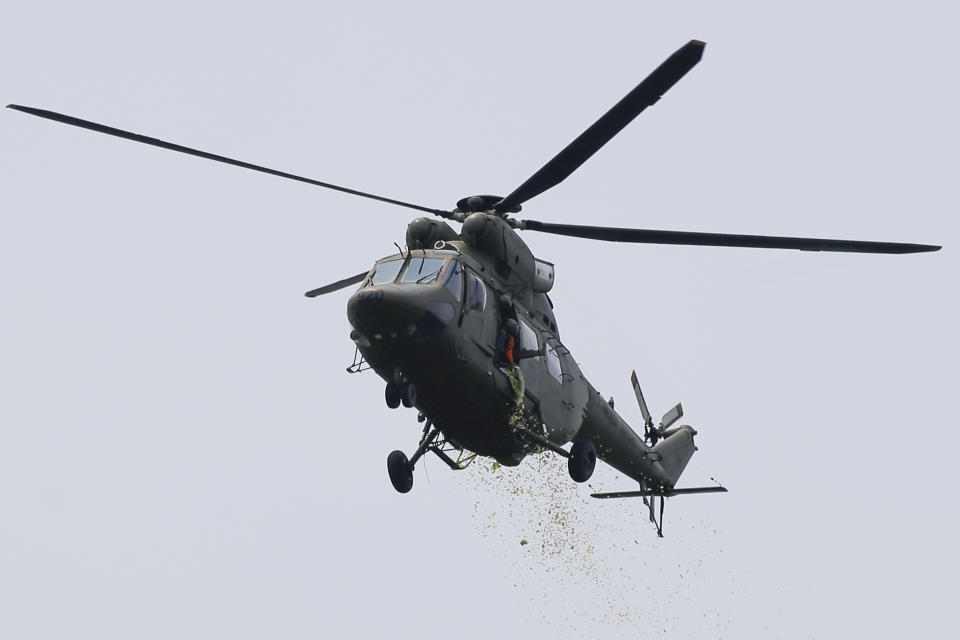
(553, 380)
(478, 324)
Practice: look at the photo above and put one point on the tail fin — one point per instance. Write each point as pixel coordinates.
(675, 451)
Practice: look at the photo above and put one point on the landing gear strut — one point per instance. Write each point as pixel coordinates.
(581, 459)
(400, 468)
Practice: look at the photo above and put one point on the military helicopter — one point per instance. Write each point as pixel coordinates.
(461, 327)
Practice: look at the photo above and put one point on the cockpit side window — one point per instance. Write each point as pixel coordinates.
(476, 293)
(528, 337)
(553, 363)
(453, 280)
(422, 270)
(385, 272)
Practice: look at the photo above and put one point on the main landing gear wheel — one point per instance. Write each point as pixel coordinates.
(408, 394)
(582, 460)
(392, 395)
(400, 470)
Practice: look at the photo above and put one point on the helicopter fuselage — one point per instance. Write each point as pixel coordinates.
(435, 317)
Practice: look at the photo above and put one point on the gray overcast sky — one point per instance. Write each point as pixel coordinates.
(182, 454)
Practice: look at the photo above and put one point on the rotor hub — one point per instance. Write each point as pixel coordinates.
(474, 204)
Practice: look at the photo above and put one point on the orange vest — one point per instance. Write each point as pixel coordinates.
(508, 350)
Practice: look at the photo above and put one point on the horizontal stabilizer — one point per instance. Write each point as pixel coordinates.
(664, 493)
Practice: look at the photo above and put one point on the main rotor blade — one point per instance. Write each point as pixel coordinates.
(120, 133)
(600, 132)
(336, 286)
(614, 234)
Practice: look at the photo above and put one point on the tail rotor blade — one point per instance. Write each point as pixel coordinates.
(648, 422)
(651, 507)
(671, 416)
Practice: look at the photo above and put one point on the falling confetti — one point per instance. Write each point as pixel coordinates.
(603, 562)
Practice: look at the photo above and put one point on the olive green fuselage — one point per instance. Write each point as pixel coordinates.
(435, 317)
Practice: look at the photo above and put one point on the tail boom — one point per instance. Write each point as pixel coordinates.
(619, 446)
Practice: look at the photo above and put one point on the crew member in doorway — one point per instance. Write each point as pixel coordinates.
(510, 331)
(508, 350)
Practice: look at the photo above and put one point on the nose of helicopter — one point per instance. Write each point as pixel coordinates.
(397, 311)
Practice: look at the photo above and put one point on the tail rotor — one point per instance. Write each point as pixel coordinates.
(670, 449)
(652, 434)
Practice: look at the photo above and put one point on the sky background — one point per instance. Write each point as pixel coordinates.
(183, 455)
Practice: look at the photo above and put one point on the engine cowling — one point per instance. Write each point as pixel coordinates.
(424, 233)
(493, 236)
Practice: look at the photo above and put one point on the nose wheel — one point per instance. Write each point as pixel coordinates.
(404, 393)
(392, 395)
(408, 394)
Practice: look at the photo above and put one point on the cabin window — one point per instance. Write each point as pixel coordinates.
(385, 272)
(422, 270)
(544, 308)
(453, 281)
(553, 363)
(476, 293)
(528, 338)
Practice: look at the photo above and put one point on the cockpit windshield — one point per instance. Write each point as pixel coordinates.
(386, 272)
(422, 270)
(412, 270)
